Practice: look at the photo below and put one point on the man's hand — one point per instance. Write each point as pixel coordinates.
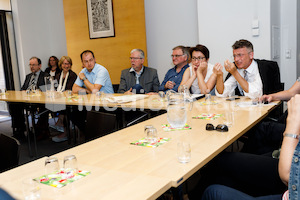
(128, 91)
(81, 75)
(229, 67)
(218, 69)
(170, 85)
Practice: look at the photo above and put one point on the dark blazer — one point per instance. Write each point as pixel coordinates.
(270, 76)
(57, 71)
(40, 82)
(71, 79)
(148, 80)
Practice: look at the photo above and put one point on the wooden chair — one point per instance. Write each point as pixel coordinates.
(9, 152)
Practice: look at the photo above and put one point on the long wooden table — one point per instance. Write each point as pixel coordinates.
(123, 171)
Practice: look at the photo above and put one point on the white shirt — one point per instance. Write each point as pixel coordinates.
(254, 82)
(195, 87)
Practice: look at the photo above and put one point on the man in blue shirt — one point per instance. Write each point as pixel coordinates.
(93, 77)
(173, 77)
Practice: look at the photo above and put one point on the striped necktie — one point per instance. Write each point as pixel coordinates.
(32, 81)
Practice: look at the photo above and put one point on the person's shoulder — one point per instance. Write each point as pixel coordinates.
(150, 69)
(72, 73)
(42, 73)
(263, 61)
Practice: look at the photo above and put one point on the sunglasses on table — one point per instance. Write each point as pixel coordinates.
(220, 127)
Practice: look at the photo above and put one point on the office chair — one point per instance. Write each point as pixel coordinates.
(9, 152)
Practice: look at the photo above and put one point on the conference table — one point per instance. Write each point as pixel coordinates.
(120, 170)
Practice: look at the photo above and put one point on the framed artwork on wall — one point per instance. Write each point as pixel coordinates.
(100, 14)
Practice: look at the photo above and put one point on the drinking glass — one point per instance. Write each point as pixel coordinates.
(31, 189)
(146, 129)
(151, 135)
(229, 118)
(70, 163)
(176, 111)
(183, 152)
(69, 93)
(161, 94)
(2, 91)
(51, 165)
(184, 90)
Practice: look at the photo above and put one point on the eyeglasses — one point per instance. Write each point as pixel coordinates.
(240, 55)
(176, 56)
(134, 58)
(66, 64)
(220, 127)
(32, 65)
(198, 58)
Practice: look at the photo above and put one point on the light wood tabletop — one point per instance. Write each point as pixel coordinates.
(120, 170)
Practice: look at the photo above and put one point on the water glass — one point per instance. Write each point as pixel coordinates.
(31, 189)
(208, 98)
(146, 129)
(51, 165)
(183, 152)
(177, 113)
(229, 118)
(70, 163)
(69, 93)
(99, 95)
(151, 135)
(161, 94)
(2, 91)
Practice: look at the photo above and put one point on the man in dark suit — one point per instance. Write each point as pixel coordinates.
(138, 78)
(34, 80)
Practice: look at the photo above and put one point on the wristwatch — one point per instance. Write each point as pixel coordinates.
(84, 78)
(291, 135)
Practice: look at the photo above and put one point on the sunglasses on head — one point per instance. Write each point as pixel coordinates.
(220, 127)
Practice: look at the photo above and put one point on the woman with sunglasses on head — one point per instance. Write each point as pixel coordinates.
(200, 77)
(53, 69)
(66, 78)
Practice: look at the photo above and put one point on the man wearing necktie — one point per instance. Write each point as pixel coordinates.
(244, 64)
(35, 79)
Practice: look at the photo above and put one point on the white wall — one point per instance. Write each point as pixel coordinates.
(288, 67)
(169, 23)
(39, 31)
(221, 23)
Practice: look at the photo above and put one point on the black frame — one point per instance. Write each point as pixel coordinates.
(5, 50)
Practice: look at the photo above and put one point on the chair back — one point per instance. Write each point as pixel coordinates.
(99, 124)
(9, 152)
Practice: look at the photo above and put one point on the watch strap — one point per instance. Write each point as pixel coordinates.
(291, 135)
(84, 78)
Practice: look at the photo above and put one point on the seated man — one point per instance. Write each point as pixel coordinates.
(173, 77)
(139, 78)
(93, 77)
(33, 80)
(244, 71)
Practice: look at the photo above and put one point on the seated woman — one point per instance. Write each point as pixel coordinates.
(200, 77)
(288, 167)
(66, 78)
(53, 69)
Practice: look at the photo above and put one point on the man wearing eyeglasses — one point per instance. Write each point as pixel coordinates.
(174, 76)
(138, 79)
(33, 80)
(244, 72)
(93, 77)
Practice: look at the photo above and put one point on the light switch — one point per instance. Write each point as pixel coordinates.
(288, 54)
(255, 23)
(255, 32)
